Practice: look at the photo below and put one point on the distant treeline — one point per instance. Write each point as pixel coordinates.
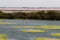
(41, 15)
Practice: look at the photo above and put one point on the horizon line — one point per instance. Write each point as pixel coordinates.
(29, 8)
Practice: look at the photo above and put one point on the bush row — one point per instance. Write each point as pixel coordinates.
(41, 15)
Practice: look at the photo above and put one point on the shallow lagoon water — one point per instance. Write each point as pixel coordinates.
(17, 34)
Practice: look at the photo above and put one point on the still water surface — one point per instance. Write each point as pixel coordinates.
(16, 34)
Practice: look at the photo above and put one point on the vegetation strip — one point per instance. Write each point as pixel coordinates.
(55, 34)
(33, 31)
(3, 37)
(43, 27)
(39, 15)
(46, 39)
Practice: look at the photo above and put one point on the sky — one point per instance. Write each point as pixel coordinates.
(29, 3)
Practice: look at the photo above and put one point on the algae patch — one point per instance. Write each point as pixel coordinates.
(33, 31)
(46, 39)
(51, 27)
(55, 34)
(42, 27)
(3, 37)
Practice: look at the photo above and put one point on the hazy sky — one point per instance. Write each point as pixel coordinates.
(29, 3)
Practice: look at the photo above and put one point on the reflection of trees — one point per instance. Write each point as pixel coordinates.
(49, 15)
